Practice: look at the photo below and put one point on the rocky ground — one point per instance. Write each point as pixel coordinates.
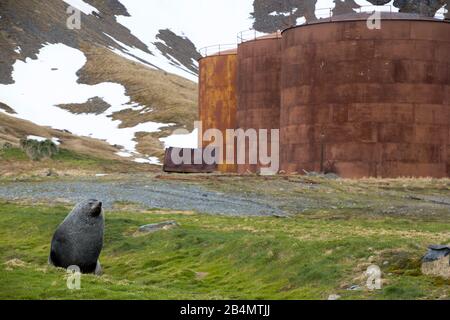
(243, 196)
(143, 193)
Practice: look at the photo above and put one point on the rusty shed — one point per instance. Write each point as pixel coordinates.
(364, 102)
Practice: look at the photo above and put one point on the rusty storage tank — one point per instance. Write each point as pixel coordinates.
(259, 68)
(217, 97)
(364, 102)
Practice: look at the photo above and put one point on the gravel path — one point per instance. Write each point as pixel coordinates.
(154, 194)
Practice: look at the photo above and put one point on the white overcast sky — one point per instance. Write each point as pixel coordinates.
(205, 22)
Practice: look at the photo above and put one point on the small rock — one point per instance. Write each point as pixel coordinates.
(150, 228)
(334, 297)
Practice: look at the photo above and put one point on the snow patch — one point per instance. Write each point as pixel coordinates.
(155, 60)
(187, 140)
(286, 14)
(323, 9)
(440, 14)
(366, 6)
(301, 20)
(37, 138)
(211, 22)
(124, 154)
(150, 160)
(56, 141)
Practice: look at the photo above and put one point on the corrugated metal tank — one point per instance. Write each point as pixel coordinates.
(217, 97)
(364, 102)
(259, 67)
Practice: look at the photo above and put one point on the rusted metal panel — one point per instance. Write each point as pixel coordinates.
(376, 101)
(259, 68)
(191, 167)
(217, 97)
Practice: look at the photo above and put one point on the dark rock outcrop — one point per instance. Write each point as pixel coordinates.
(93, 106)
(178, 50)
(29, 24)
(7, 108)
(271, 16)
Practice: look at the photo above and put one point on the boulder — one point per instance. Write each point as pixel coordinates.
(154, 227)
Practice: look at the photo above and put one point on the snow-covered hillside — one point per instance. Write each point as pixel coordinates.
(51, 80)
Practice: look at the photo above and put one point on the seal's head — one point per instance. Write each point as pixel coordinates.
(91, 208)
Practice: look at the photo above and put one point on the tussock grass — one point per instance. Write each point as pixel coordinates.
(37, 150)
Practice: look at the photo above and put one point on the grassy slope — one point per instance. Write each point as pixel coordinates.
(13, 129)
(173, 99)
(213, 257)
(14, 163)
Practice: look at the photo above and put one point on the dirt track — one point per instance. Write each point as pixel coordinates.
(151, 194)
(245, 196)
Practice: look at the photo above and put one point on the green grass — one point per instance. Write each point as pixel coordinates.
(80, 160)
(17, 164)
(216, 257)
(13, 154)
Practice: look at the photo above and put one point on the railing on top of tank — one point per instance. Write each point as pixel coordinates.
(328, 13)
(252, 34)
(218, 49)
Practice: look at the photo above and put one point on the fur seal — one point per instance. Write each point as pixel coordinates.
(78, 240)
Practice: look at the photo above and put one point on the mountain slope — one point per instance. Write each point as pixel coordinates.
(153, 100)
(127, 76)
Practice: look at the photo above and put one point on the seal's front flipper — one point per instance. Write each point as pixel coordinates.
(98, 269)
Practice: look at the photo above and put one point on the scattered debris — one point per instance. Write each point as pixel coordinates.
(436, 261)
